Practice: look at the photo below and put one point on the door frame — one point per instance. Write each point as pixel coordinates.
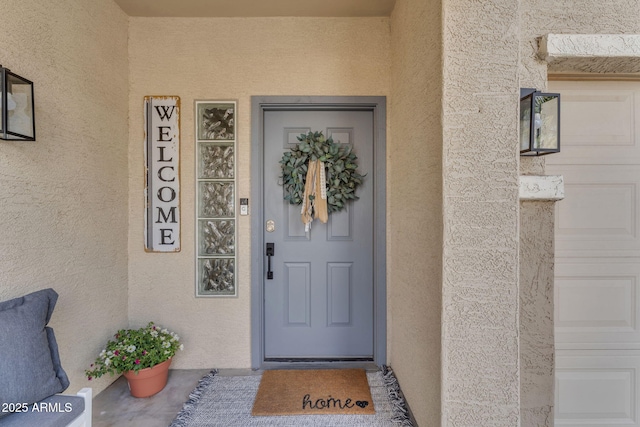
(375, 104)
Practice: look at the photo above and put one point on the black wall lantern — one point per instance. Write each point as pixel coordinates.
(539, 123)
(16, 107)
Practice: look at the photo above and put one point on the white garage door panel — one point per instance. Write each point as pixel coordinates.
(596, 304)
(599, 217)
(599, 122)
(597, 248)
(597, 388)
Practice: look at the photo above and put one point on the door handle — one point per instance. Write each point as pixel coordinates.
(270, 252)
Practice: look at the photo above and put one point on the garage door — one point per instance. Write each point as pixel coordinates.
(597, 300)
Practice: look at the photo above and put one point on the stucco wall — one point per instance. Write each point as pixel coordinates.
(538, 18)
(228, 58)
(63, 198)
(536, 313)
(480, 367)
(415, 205)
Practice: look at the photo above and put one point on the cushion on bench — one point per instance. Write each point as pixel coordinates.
(30, 367)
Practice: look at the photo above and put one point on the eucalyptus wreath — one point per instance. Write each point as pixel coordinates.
(340, 164)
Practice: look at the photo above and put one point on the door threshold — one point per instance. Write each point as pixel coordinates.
(366, 364)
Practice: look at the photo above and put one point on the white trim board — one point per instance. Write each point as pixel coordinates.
(591, 53)
(542, 187)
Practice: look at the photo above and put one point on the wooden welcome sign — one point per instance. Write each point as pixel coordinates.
(162, 177)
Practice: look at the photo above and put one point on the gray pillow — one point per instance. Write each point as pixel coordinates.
(30, 367)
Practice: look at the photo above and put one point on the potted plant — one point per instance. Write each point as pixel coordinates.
(142, 355)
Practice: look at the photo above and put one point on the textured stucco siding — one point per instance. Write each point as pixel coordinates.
(536, 313)
(232, 58)
(415, 205)
(63, 198)
(591, 53)
(542, 17)
(480, 367)
(539, 18)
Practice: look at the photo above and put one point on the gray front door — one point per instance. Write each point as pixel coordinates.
(320, 302)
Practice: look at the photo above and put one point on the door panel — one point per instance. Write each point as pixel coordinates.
(597, 388)
(599, 122)
(599, 217)
(597, 303)
(320, 301)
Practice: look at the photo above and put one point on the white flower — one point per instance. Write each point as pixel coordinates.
(131, 348)
(154, 334)
(103, 353)
(166, 344)
(109, 353)
(181, 347)
(107, 362)
(165, 331)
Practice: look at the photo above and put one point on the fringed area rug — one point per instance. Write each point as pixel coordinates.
(226, 401)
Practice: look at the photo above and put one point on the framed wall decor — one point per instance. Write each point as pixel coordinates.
(215, 198)
(162, 173)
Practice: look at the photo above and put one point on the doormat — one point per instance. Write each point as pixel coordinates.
(313, 392)
(226, 401)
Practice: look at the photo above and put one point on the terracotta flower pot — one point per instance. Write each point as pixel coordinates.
(149, 381)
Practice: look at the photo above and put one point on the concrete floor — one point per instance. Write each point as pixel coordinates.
(114, 406)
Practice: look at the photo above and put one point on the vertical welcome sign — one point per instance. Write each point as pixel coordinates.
(162, 178)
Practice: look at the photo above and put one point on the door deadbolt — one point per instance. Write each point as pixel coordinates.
(271, 226)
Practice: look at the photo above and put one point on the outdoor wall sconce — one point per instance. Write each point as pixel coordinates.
(16, 107)
(539, 122)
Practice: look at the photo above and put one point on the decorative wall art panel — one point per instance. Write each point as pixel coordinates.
(162, 179)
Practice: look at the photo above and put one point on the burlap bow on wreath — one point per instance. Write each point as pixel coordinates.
(320, 175)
